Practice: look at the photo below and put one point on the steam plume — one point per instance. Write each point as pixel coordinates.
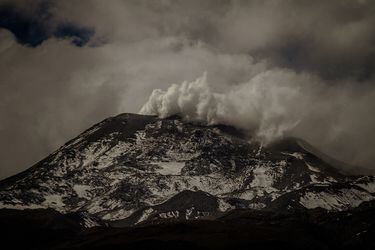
(276, 103)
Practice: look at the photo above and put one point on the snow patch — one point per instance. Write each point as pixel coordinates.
(119, 214)
(82, 190)
(19, 206)
(296, 155)
(169, 168)
(224, 206)
(312, 168)
(145, 215)
(369, 187)
(314, 178)
(53, 201)
(170, 214)
(89, 223)
(263, 177)
(347, 198)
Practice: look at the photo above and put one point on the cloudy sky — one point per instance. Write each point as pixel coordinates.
(277, 68)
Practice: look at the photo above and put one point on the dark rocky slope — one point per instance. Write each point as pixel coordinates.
(141, 181)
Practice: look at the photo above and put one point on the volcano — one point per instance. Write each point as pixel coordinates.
(138, 172)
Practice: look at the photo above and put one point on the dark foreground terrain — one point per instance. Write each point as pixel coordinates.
(238, 229)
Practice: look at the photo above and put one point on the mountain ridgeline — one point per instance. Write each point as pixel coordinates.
(134, 171)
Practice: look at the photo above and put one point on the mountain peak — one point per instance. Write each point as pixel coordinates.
(137, 166)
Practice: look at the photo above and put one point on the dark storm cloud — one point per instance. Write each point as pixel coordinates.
(316, 59)
(35, 27)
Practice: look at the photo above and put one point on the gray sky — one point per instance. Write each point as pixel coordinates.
(65, 65)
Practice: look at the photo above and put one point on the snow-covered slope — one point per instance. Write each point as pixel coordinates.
(132, 168)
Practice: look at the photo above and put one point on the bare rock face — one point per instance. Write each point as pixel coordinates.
(132, 169)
